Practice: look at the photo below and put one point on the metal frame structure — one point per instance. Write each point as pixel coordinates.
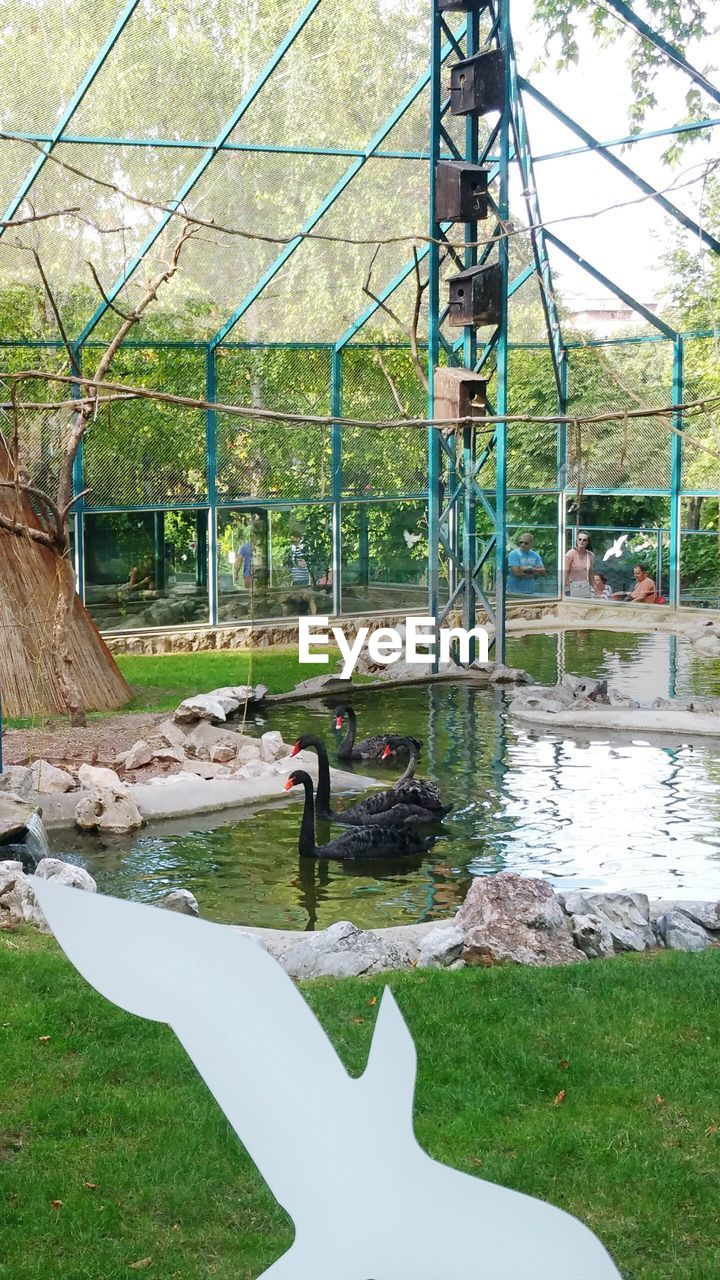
(456, 488)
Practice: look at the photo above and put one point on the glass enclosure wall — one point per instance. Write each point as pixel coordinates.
(190, 517)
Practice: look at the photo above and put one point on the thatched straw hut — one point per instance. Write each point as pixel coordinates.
(29, 581)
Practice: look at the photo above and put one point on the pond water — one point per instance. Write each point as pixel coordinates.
(605, 815)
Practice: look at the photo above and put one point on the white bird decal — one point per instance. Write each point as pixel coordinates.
(617, 547)
(411, 538)
(339, 1153)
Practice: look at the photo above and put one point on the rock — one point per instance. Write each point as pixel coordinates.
(181, 900)
(272, 746)
(202, 707)
(65, 873)
(592, 936)
(706, 914)
(138, 756)
(204, 769)
(627, 916)
(509, 675)
(47, 780)
(255, 769)
(441, 948)
(172, 733)
(508, 917)
(205, 736)
(247, 753)
(323, 684)
(14, 816)
(18, 779)
(222, 753)
(104, 809)
(680, 933)
(18, 904)
(93, 777)
(342, 951)
(169, 755)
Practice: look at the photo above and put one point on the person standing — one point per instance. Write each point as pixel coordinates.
(579, 562)
(524, 565)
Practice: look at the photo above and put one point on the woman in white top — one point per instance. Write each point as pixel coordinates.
(579, 561)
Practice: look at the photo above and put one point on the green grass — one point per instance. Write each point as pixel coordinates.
(160, 681)
(633, 1150)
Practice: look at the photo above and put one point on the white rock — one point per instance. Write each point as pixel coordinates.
(172, 733)
(247, 753)
(441, 948)
(592, 935)
(103, 809)
(18, 779)
(14, 815)
(17, 900)
(627, 916)
(94, 776)
(139, 755)
(181, 900)
(706, 914)
(680, 933)
(272, 746)
(205, 769)
(222, 753)
(343, 951)
(201, 707)
(169, 755)
(48, 780)
(65, 873)
(255, 769)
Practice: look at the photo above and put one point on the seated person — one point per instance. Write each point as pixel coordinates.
(525, 566)
(602, 588)
(644, 590)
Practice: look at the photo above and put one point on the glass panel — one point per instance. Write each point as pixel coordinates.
(384, 550)
(532, 533)
(147, 569)
(621, 539)
(700, 553)
(274, 563)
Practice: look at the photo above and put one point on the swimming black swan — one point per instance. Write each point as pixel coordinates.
(384, 808)
(417, 791)
(359, 842)
(370, 748)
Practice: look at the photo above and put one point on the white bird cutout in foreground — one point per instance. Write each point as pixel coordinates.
(617, 547)
(338, 1153)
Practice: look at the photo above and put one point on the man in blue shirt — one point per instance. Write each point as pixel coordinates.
(524, 565)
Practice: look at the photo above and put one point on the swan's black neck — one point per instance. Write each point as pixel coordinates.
(410, 769)
(306, 843)
(349, 739)
(322, 797)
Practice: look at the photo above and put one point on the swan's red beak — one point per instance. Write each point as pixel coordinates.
(295, 749)
(289, 785)
(387, 752)
(338, 722)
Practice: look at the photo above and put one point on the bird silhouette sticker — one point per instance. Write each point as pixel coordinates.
(338, 1153)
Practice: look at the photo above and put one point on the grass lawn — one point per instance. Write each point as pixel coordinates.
(104, 1113)
(160, 681)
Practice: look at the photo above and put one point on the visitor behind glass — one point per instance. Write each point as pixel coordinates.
(644, 590)
(525, 566)
(579, 562)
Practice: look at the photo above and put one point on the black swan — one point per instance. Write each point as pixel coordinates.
(383, 808)
(370, 748)
(359, 842)
(417, 791)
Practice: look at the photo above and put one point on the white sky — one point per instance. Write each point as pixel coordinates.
(625, 244)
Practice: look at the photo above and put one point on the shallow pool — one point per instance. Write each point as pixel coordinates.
(607, 815)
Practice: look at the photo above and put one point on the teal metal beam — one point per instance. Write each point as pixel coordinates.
(178, 144)
(67, 115)
(501, 368)
(676, 458)
(621, 167)
(674, 54)
(523, 152)
(692, 126)
(609, 284)
(270, 66)
(325, 204)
